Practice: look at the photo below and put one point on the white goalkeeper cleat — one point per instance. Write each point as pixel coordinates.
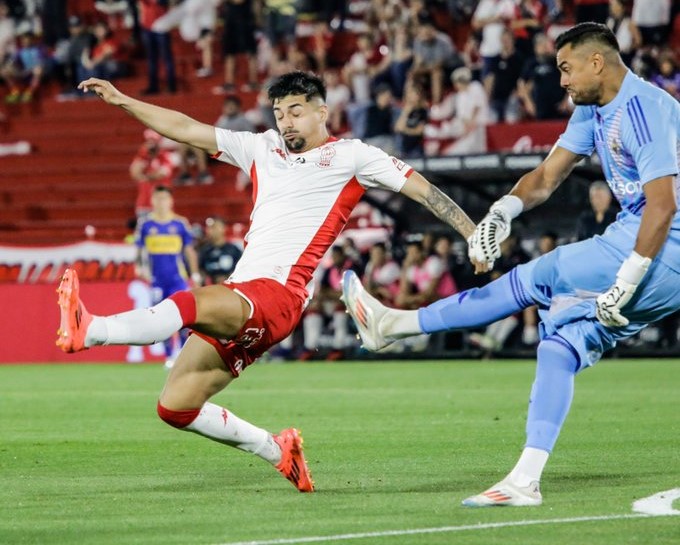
(505, 493)
(366, 311)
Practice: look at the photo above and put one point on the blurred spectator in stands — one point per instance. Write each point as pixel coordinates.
(653, 20)
(361, 67)
(539, 86)
(591, 10)
(7, 34)
(434, 56)
(68, 56)
(496, 334)
(190, 159)
(501, 81)
(462, 115)
(217, 257)
(382, 274)
(410, 125)
(621, 24)
(232, 117)
(117, 12)
(334, 13)
(668, 75)
(594, 221)
(280, 21)
(102, 59)
(238, 42)
(152, 166)
(54, 21)
(376, 125)
(489, 20)
(261, 114)
(338, 97)
(395, 65)
(24, 72)
(424, 278)
(327, 303)
(196, 20)
(158, 46)
(526, 21)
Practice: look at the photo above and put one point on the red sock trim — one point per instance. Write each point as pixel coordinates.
(186, 303)
(177, 419)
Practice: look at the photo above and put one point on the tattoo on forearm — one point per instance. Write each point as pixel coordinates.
(442, 206)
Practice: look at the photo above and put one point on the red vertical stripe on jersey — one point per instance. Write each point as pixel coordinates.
(301, 272)
(253, 178)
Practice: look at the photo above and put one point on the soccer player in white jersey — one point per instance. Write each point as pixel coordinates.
(590, 294)
(305, 184)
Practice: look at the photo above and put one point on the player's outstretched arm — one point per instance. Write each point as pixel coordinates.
(170, 123)
(441, 205)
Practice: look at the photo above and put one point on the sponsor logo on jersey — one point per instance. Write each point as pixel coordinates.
(250, 337)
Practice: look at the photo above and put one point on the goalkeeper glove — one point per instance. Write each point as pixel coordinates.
(610, 303)
(484, 246)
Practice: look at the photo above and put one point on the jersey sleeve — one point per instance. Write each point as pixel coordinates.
(235, 147)
(579, 137)
(187, 235)
(140, 234)
(374, 168)
(649, 133)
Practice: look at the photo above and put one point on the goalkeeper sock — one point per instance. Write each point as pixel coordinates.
(551, 393)
(476, 307)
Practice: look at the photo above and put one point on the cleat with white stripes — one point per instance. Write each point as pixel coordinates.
(366, 311)
(505, 493)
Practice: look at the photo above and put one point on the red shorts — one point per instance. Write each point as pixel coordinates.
(275, 311)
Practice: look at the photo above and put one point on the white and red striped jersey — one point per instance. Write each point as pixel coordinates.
(301, 201)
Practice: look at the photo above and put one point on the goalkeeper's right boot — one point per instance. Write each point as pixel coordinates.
(75, 319)
(506, 493)
(293, 465)
(366, 311)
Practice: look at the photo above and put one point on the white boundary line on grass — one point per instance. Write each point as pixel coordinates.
(657, 505)
(439, 530)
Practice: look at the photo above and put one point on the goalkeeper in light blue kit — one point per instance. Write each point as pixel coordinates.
(590, 294)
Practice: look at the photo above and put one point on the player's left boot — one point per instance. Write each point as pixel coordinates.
(293, 465)
(75, 318)
(507, 493)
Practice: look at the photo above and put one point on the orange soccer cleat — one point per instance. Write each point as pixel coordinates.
(293, 465)
(75, 318)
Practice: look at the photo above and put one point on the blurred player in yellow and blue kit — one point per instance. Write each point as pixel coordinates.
(164, 251)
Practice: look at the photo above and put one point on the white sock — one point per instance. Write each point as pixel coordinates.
(529, 467)
(311, 329)
(225, 427)
(400, 323)
(339, 329)
(136, 327)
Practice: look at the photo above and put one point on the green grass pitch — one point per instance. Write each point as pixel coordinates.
(392, 446)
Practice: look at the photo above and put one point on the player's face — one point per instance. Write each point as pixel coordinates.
(161, 202)
(579, 74)
(300, 121)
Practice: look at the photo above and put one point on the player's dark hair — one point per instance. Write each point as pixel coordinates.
(297, 83)
(587, 32)
(162, 189)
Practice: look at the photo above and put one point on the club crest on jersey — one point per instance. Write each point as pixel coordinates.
(280, 153)
(327, 153)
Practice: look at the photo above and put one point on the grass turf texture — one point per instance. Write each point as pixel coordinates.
(392, 446)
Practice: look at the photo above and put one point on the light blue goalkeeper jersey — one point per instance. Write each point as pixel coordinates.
(637, 138)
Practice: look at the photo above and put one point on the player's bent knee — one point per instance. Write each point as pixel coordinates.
(177, 419)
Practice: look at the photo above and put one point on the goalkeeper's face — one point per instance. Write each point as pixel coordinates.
(301, 122)
(581, 73)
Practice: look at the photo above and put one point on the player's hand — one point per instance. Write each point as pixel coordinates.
(484, 246)
(196, 280)
(142, 273)
(610, 303)
(103, 89)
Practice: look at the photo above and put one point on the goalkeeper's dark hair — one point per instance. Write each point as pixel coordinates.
(297, 83)
(585, 33)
